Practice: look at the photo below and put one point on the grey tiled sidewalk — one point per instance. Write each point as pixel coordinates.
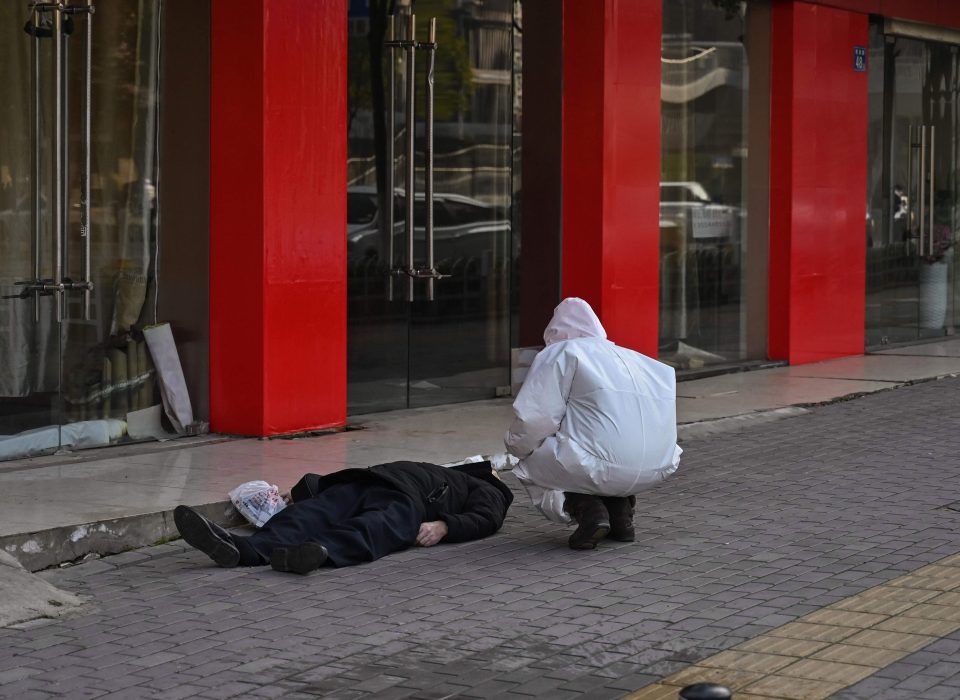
(758, 527)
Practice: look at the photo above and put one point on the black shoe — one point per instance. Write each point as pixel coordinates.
(300, 558)
(208, 537)
(592, 519)
(621, 518)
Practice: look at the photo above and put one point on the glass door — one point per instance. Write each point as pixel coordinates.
(704, 169)
(78, 241)
(913, 189)
(412, 340)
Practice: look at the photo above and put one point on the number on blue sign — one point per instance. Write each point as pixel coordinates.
(859, 59)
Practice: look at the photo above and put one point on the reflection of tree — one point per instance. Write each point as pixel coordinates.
(731, 8)
(453, 76)
(379, 10)
(366, 87)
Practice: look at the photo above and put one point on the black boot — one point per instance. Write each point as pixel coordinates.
(207, 536)
(592, 520)
(621, 518)
(299, 558)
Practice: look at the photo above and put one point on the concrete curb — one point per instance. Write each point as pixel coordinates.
(47, 548)
(700, 429)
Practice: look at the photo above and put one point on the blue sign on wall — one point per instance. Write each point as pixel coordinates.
(860, 59)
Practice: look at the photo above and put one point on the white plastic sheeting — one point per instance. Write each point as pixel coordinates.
(89, 433)
(173, 385)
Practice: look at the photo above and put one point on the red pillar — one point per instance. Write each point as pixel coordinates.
(278, 216)
(818, 187)
(611, 163)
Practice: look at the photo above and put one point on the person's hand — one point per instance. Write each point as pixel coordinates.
(287, 498)
(431, 533)
(6, 181)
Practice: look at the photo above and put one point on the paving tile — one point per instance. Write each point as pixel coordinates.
(784, 646)
(862, 655)
(917, 625)
(844, 618)
(794, 688)
(748, 661)
(929, 611)
(813, 632)
(831, 671)
(890, 639)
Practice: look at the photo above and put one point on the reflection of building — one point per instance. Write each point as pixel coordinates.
(220, 195)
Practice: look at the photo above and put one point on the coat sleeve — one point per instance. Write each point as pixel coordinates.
(542, 402)
(482, 515)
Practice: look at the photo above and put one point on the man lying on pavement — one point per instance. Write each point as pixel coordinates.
(358, 515)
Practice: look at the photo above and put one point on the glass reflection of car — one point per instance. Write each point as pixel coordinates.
(688, 206)
(463, 227)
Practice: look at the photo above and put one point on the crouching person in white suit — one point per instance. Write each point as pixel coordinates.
(594, 424)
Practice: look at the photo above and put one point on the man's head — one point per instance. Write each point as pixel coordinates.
(573, 318)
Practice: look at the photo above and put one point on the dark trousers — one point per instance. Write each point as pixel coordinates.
(576, 502)
(356, 522)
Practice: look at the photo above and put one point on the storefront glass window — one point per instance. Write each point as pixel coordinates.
(84, 364)
(703, 188)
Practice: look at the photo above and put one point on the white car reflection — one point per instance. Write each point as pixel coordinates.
(463, 226)
(688, 207)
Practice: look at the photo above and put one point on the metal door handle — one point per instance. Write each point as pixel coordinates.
(35, 167)
(410, 46)
(58, 149)
(910, 202)
(85, 230)
(410, 54)
(59, 25)
(391, 135)
(431, 49)
(932, 189)
(922, 174)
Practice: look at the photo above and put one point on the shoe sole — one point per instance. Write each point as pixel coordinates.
(300, 559)
(596, 536)
(197, 533)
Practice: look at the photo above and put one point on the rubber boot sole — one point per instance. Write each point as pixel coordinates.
(588, 537)
(299, 559)
(199, 534)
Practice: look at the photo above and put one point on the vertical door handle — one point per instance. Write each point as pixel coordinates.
(410, 47)
(58, 158)
(36, 169)
(391, 135)
(85, 225)
(411, 76)
(923, 184)
(910, 201)
(930, 229)
(431, 49)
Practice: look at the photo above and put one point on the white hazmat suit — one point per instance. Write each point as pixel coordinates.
(592, 417)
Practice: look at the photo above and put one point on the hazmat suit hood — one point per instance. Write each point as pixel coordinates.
(573, 318)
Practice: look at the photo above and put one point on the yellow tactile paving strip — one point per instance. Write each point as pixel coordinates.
(835, 647)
